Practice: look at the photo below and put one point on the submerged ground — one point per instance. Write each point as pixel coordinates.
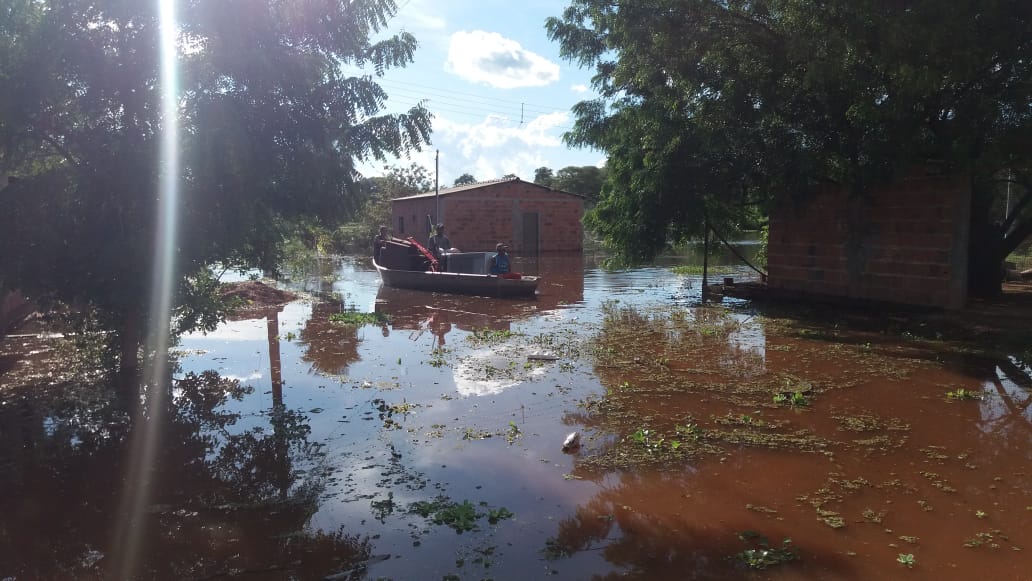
(718, 440)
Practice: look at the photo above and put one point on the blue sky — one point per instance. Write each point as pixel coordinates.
(499, 92)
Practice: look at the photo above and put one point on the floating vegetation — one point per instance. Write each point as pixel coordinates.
(437, 357)
(474, 434)
(761, 509)
(961, 394)
(937, 481)
(696, 269)
(990, 539)
(480, 337)
(873, 517)
(794, 399)
(761, 555)
(907, 560)
(513, 433)
(357, 318)
(461, 517)
(831, 518)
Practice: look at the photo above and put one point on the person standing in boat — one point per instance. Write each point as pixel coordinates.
(499, 263)
(439, 244)
(380, 242)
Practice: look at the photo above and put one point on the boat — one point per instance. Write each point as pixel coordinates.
(407, 264)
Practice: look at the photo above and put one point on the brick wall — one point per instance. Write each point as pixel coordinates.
(904, 243)
(478, 218)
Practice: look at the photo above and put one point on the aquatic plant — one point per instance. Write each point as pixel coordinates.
(961, 394)
(794, 399)
(690, 431)
(437, 357)
(490, 336)
(696, 269)
(761, 555)
(513, 433)
(906, 559)
(460, 517)
(358, 318)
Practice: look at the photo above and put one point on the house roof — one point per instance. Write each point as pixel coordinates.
(484, 184)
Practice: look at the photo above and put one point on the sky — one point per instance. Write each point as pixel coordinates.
(499, 92)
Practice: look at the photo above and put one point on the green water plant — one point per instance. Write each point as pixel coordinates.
(793, 399)
(906, 559)
(459, 516)
(357, 318)
(513, 433)
(761, 555)
(437, 357)
(961, 394)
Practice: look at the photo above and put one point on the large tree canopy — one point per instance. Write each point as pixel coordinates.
(583, 180)
(708, 105)
(272, 120)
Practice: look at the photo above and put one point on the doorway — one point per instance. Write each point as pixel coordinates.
(530, 234)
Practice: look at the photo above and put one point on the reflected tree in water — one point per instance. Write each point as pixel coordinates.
(232, 492)
(331, 347)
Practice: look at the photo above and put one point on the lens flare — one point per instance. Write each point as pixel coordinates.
(147, 422)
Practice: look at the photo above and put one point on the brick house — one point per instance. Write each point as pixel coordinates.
(531, 218)
(906, 242)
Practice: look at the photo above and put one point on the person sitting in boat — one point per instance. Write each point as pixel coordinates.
(380, 242)
(499, 263)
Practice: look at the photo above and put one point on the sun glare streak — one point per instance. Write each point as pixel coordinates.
(147, 427)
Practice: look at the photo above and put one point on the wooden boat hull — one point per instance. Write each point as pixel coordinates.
(458, 282)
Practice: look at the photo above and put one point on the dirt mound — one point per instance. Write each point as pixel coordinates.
(255, 294)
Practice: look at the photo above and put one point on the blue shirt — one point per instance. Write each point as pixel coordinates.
(499, 263)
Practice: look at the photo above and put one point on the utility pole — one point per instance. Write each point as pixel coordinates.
(705, 258)
(1010, 176)
(437, 185)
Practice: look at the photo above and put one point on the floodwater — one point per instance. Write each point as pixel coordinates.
(717, 441)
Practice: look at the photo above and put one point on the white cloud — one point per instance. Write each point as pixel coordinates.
(492, 59)
(581, 88)
(497, 146)
(418, 15)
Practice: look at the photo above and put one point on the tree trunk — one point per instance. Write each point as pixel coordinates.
(985, 264)
(131, 336)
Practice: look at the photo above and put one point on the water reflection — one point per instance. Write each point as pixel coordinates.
(230, 492)
(330, 347)
(1006, 407)
(252, 470)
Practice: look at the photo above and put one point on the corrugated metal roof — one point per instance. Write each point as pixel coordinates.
(478, 185)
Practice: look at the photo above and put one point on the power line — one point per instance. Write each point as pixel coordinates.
(461, 95)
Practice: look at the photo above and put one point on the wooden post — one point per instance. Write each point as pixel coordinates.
(705, 258)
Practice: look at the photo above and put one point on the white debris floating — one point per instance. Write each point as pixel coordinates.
(572, 442)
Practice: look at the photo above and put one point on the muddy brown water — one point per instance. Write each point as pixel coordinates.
(429, 447)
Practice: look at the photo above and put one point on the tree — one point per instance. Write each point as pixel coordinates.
(585, 180)
(271, 130)
(465, 179)
(398, 182)
(707, 107)
(543, 176)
